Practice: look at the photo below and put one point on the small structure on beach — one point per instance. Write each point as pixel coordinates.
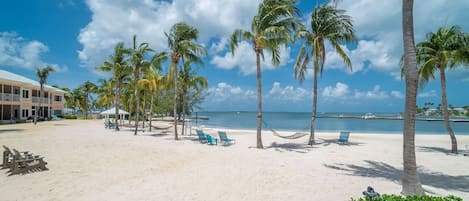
(112, 111)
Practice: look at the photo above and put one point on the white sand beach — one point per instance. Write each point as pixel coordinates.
(88, 162)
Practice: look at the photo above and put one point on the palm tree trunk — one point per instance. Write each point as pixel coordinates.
(144, 107)
(311, 140)
(259, 101)
(137, 103)
(175, 63)
(130, 111)
(410, 180)
(117, 117)
(86, 105)
(151, 109)
(444, 104)
(183, 111)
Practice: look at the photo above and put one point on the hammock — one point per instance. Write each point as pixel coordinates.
(289, 137)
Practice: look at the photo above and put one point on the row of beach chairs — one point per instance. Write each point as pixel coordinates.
(206, 138)
(21, 162)
(109, 125)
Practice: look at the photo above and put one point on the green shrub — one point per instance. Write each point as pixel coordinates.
(70, 116)
(1, 122)
(410, 198)
(20, 121)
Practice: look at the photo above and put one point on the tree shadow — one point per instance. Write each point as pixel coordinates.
(379, 169)
(435, 149)
(292, 147)
(11, 130)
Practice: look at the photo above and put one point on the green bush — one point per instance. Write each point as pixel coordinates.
(1, 122)
(70, 116)
(410, 198)
(20, 121)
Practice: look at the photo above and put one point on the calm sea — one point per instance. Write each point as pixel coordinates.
(295, 121)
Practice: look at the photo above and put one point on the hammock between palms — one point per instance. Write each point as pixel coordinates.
(290, 137)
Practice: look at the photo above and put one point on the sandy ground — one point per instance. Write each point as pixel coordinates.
(88, 162)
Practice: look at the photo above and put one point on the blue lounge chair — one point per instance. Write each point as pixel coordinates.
(211, 140)
(343, 138)
(201, 136)
(224, 138)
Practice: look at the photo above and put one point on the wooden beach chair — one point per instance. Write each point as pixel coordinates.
(224, 138)
(8, 157)
(211, 140)
(343, 137)
(23, 163)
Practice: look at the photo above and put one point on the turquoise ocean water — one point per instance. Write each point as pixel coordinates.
(299, 122)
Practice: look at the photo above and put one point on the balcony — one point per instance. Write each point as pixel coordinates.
(9, 97)
(43, 100)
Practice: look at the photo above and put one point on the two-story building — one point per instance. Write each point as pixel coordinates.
(20, 98)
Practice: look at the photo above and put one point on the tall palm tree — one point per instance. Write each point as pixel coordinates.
(88, 88)
(271, 27)
(138, 61)
(327, 24)
(42, 74)
(105, 92)
(437, 54)
(120, 71)
(410, 180)
(182, 45)
(189, 80)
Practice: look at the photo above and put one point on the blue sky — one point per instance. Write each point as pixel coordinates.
(75, 36)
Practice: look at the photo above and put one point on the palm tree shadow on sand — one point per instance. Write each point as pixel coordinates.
(376, 169)
(291, 147)
(10, 130)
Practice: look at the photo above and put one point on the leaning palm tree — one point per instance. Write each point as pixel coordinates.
(88, 88)
(271, 27)
(138, 61)
(437, 54)
(42, 74)
(120, 72)
(410, 179)
(189, 80)
(327, 24)
(182, 45)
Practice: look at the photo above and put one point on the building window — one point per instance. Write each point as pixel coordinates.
(25, 93)
(46, 95)
(58, 98)
(25, 113)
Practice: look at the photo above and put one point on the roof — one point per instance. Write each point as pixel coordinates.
(8, 76)
(113, 111)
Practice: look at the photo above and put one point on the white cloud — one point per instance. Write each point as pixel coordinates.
(376, 93)
(288, 93)
(117, 20)
(16, 51)
(245, 59)
(225, 92)
(428, 94)
(339, 91)
(397, 94)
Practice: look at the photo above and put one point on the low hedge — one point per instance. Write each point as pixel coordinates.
(410, 198)
(70, 116)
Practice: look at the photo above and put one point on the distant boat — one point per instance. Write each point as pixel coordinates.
(369, 116)
(238, 113)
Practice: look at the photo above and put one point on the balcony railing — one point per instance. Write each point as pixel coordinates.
(43, 100)
(9, 97)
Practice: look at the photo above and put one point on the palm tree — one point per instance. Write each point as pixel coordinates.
(327, 24)
(120, 72)
(410, 180)
(437, 54)
(105, 92)
(189, 80)
(138, 61)
(87, 88)
(182, 46)
(271, 27)
(42, 74)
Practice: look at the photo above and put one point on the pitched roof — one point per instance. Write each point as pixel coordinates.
(8, 76)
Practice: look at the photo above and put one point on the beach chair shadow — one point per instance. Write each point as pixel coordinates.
(376, 169)
(327, 142)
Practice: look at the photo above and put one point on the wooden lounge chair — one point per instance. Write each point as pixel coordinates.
(23, 163)
(224, 138)
(211, 140)
(8, 157)
(343, 138)
(201, 136)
